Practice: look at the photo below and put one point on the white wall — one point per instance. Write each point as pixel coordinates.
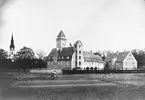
(101, 66)
(73, 61)
(93, 64)
(79, 48)
(129, 62)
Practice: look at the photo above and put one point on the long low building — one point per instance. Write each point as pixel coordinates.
(63, 57)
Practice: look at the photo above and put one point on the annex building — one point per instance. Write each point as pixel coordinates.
(73, 56)
(121, 61)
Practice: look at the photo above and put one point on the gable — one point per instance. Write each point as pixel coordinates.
(78, 42)
(130, 58)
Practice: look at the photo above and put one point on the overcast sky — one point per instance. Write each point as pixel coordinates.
(99, 24)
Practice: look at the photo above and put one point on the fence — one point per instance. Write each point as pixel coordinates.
(100, 71)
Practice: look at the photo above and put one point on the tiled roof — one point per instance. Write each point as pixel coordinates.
(91, 57)
(61, 34)
(109, 57)
(65, 52)
(120, 56)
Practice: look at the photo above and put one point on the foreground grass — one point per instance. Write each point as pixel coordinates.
(101, 92)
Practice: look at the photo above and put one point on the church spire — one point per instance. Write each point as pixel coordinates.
(12, 46)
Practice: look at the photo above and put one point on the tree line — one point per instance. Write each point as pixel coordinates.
(24, 59)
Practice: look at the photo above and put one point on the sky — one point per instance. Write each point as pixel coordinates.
(99, 24)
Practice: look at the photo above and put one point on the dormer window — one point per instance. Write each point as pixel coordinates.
(67, 57)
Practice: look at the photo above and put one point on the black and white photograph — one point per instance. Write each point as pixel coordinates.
(72, 49)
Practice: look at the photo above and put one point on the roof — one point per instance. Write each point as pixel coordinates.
(61, 34)
(120, 56)
(91, 57)
(65, 52)
(78, 41)
(109, 57)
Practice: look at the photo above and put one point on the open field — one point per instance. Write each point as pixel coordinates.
(100, 92)
(74, 87)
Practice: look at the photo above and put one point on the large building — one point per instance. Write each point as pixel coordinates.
(63, 57)
(121, 61)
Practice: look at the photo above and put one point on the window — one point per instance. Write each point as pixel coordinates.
(79, 52)
(79, 57)
(79, 63)
(59, 57)
(67, 57)
(62, 57)
(79, 46)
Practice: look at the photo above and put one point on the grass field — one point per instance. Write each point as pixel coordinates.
(111, 91)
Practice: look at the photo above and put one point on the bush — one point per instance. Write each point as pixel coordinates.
(87, 68)
(95, 68)
(91, 68)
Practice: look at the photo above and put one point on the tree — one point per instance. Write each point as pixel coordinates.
(3, 54)
(41, 54)
(106, 68)
(103, 57)
(140, 57)
(25, 53)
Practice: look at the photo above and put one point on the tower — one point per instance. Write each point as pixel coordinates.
(61, 40)
(79, 53)
(12, 48)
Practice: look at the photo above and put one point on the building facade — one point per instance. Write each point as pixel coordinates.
(63, 57)
(121, 61)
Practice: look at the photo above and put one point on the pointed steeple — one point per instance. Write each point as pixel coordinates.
(61, 34)
(12, 46)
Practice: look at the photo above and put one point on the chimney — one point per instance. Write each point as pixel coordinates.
(70, 45)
